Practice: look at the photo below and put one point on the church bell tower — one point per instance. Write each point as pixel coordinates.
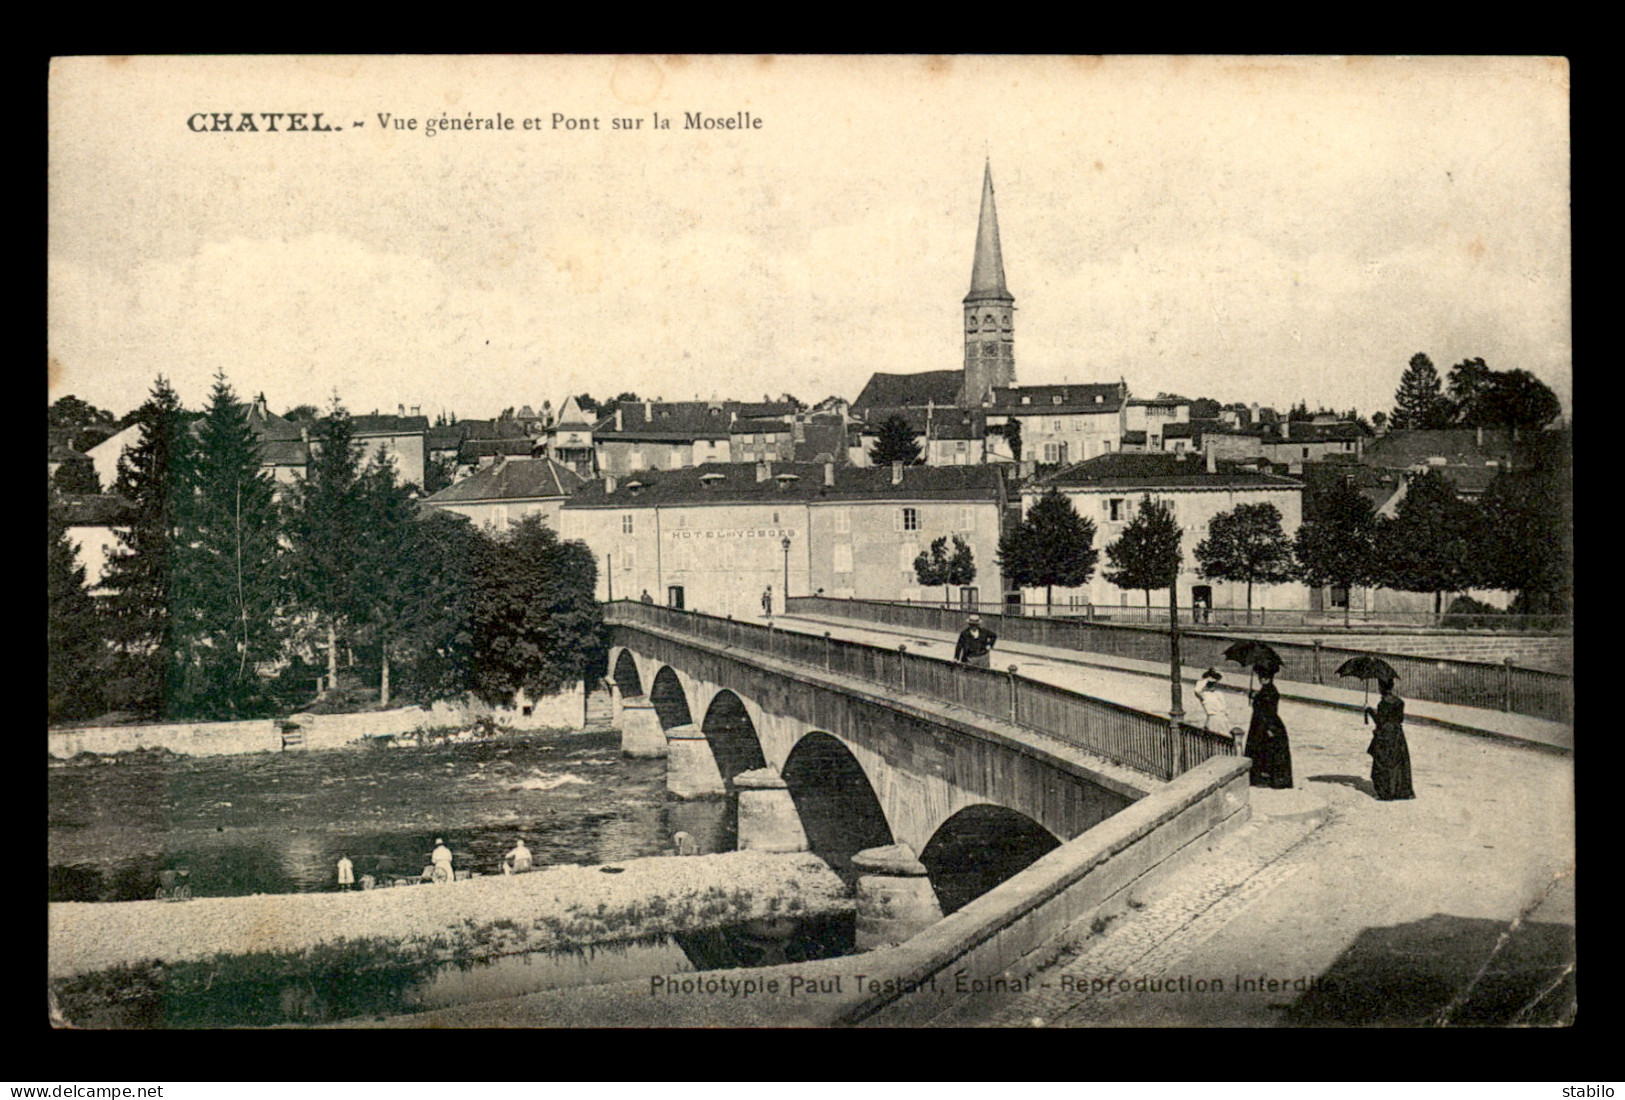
(989, 308)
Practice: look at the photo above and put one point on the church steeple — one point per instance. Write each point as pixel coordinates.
(989, 335)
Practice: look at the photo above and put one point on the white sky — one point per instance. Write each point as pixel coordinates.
(1246, 229)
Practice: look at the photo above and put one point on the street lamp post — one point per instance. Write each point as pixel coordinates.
(785, 542)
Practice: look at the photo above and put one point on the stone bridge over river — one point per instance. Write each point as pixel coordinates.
(916, 766)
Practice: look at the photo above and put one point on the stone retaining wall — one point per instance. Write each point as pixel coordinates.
(320, 731)
(1093, 875)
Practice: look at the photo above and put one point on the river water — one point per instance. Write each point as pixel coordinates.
(271, 823)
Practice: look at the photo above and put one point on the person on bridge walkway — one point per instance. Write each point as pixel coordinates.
(1267, 743)
(1390, 755)
(646, 598)
(1212, 700)
(975, 644)
(767, 601)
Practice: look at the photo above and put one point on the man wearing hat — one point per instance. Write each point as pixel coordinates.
(975, 644)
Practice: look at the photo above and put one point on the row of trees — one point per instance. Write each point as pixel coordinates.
(1473, 396)
(217, 581)
(1517, 538)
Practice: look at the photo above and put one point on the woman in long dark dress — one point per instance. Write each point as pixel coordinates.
(1390, 755)
(1267, 743)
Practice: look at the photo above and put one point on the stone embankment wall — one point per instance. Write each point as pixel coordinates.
(482, 917)
(320, 731)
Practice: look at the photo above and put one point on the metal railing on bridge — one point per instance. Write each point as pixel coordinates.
(1494, 686)
(1331, 621)
(1146, 742)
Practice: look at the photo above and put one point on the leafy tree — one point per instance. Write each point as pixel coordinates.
(1300, 413)
(536, 625)
(945, 567)
(1338, 545)
(1204, 408)
(1525, 543)
(1052, 546)
(306, 413)
(438, 472)
(1246, 544)
(230, 586)
(1011, 430)
(434, 631)
(1428, 545)
(895, 442)
(587, 404)
(1418, 402)
(70, 412)
(77, 477)
(1379, 420)
(323, 524)
(75, 654)
(1147, 554)
(153, 475)
(1484, 398)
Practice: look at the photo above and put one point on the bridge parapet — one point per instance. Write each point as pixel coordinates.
(1145, 742)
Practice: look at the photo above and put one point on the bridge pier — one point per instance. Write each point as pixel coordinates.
(768, 821)
(895, 898)
(615, 703)
(641, 735)
(691, 767)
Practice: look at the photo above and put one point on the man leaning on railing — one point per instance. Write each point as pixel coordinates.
(975, 644)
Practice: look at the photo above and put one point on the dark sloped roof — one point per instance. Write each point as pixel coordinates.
(1137, 436)
(473, 449)
(822, 436)
(736, 482)
(932, 387)
(742, 426)
(1148, 471)
(388, 424)
(1079, 398)
(93, 509)
(62, 453)
(666, 422)
(1406, 447)
(499, 428)
(445, 437)
(284, 452)
(521, 479)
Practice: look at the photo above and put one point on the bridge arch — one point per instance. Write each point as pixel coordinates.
(734, 740)
(978, 848)
(837, 804)
(669, 699)
(624, 672)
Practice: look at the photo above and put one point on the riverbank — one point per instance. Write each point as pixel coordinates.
(478, 918)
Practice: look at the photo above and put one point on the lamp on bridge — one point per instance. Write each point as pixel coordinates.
(785, 542)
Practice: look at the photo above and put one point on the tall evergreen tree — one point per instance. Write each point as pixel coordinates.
(154, 476)
(1418, 403)
(1053, 546)
(231, 584)
(324, 521)
(75, 653)
(1338, 544)
(1147, 554)
(895, 442)
(1246, 544)
(385, 555)
(1429, 544)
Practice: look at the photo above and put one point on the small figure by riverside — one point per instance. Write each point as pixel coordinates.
(1267, 743)
(1390, 755)
(346, 872)
(517, 860)
(975, 646)
(440, 863)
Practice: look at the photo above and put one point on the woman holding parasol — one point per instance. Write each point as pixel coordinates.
(1267, 744)
(1390, 755)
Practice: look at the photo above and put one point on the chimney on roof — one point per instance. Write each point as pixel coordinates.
(609, 484)
(417, 410)
(1254, 421)
(304, 434)
(1212, 462)
(1286, 428)
(617, 418)
(648, 410)
(764, 470)
(401, 410)
(1481, 435)
(829, 474)
(897, 473)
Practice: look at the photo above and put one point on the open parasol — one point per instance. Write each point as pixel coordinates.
(1367, 668)
(1254, 654)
